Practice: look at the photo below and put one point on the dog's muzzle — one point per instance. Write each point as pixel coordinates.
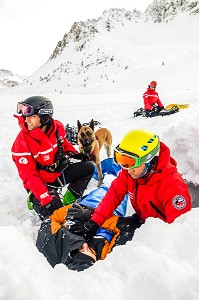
(87, 143)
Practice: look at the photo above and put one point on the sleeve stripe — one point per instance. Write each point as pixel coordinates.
(21, 154)
(36, 155)
(45, 152)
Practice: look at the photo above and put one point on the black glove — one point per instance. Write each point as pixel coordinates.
(86, 229)
(77, 212)
(155, 108)
(127, 227)
(80, 156)
(55, 203)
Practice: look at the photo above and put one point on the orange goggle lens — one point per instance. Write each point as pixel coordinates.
(126, 161)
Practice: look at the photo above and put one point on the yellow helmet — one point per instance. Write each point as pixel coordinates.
(140, 144)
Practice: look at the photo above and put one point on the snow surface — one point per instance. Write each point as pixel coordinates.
(162, 261)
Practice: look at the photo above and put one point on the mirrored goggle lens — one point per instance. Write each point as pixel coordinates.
(126, 161)
(25, 110)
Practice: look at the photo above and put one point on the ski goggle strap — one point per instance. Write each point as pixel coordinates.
(129, 161)
(25, 109)
(126, 161)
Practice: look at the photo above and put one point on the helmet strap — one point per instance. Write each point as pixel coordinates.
(148, 166)
(146, 170)
(45, 121)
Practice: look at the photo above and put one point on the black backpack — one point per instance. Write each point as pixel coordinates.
(71, 134)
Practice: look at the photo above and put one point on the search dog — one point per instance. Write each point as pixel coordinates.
(91, 142)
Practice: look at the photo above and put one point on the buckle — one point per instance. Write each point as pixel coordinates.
(52, 167)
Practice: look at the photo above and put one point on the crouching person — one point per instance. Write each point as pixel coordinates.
(59, 245)
(150, 177)
(42, 155)
(152, 104)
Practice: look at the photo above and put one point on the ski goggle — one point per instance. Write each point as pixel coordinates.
(129, 160)
(25, 109)
(125, 160)
(153, 87)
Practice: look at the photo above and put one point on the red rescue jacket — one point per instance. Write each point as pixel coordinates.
(150, 98)
(32, 146)
(162, 194)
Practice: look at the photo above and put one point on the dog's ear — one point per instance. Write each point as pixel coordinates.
(91, 125)
(79, 125)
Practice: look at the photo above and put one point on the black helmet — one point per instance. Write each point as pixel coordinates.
(35, 105)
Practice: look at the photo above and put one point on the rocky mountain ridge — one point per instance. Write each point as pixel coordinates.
(84, 31)
(159, 11)
(9, 79)
(166, 10)
(92, 52)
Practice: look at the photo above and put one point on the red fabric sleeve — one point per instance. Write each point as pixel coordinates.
(147, 104)
(112, 199)
(176, 199)
(159, 103)
(26, 166)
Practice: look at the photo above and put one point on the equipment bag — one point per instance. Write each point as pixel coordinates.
(71, 134)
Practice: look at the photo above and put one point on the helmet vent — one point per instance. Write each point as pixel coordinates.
(144, 148)
(152, 139)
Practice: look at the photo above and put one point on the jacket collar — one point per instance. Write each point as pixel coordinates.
(35, 133)
(165, 165)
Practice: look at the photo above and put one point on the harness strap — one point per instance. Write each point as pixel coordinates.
(91, 156)
(60, 157)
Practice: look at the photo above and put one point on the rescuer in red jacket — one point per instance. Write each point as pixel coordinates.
(149, 175)
(42, 155)
(152, 103)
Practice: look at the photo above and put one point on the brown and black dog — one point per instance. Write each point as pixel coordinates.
(91, 142)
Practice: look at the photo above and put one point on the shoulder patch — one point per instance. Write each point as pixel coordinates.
(23, 161)
(179, 202)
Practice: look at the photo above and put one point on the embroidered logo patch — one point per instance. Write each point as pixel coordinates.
(44, 195)
(46, 157)
(23, 161)
(179, 202)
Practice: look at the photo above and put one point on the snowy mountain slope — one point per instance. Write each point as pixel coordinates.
(166, 10)
(121, 47)
(9, 79)
(161, 256)
(162, 261)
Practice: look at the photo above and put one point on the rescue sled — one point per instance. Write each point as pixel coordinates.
(168, 110)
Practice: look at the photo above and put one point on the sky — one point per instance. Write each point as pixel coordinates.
(31, 29)
(162, 259)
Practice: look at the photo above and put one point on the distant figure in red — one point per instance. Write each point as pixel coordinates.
(152, 103)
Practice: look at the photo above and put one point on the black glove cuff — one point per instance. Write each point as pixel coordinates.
(91, 226)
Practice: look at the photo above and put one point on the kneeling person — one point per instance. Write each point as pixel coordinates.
(42, 155)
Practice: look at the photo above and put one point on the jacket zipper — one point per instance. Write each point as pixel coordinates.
(136, 191)
(157, 209)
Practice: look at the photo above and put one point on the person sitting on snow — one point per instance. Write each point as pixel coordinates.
(152, 103)
(59, 245)
(149, 176)
(42, 155)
